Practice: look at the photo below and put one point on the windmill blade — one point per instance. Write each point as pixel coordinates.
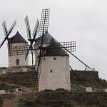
(76, 57)
(45, 15)
(28, 28)
(44, 22)
(3, 42)
(79, 60)
(27, 54)
(7, 33)
(4, 28)
(29, 49)
(44, 19)
(10, 30)
(32, 56)
(40, 54)
(35, 29)
(38, 63)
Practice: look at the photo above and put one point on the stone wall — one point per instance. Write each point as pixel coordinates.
(84, 75)
(5, 70)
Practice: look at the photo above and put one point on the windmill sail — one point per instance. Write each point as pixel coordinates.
(11, 28)
(4, 28)
(44, 21)
(28, 28)
(35, 29)
(7, 33)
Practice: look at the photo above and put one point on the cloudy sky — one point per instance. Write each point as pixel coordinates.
(83, 21)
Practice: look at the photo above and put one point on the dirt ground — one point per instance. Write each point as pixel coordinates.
(9, 103)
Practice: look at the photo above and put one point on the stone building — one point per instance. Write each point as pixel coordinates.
(17, 58)
(54, 66)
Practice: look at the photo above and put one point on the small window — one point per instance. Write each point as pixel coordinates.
(19, 89)
(17, 61)
(51, 71)
(54, 58)
(66, 58)
(44, 58)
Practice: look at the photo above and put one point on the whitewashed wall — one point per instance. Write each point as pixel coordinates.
(55, 73)
(12, 59)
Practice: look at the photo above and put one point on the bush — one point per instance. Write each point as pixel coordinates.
(61, 89)
(47, 90)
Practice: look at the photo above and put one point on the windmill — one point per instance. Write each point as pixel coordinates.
(16, 42)
(7, 32)
(46, 48)
(31, 39)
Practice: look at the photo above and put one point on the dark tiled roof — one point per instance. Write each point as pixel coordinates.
(17, 39)
(54, 48)
(46, 39)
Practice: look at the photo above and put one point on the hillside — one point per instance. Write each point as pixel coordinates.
(19, 78)
(60, 98)
(83, 78)
(87, 79)
(77, 97)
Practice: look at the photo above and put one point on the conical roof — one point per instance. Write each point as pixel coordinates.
(46, 39)
(17, 38)
(54, 48)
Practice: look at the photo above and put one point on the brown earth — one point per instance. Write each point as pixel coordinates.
(9, 103)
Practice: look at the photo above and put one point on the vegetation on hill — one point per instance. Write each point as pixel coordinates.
(7, 87)
(61, 98)
(87, 78)
(19, 78)
(1, 102)
(26, 79)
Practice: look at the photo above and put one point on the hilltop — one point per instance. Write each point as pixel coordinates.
(77, 97)
(24, 76)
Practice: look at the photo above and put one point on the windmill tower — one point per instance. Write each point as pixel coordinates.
(17, 58)
(52, 60)
(54, 66)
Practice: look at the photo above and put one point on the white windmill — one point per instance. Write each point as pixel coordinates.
(14, 43)
(52, 60)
